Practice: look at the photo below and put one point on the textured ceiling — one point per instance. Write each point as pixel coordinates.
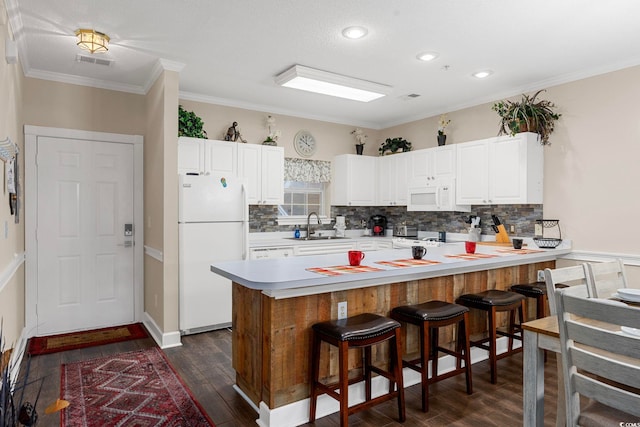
(231, 50)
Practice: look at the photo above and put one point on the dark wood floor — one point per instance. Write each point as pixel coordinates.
(204, 363)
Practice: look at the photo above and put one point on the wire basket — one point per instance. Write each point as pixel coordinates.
(547, 242)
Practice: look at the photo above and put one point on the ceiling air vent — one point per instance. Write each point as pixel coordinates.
(93, 60)
(413, 95)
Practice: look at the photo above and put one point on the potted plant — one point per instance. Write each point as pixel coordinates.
(393, 145)
(272, 138)
(527, 115)
(361, 139)
(443, 122)
(189, 124)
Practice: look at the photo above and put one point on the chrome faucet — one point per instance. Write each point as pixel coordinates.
(309, 229)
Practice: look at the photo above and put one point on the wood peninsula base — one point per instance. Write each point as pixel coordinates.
(271, 345)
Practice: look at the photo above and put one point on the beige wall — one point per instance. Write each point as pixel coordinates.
(161, 201)
(64, 105)
(332, 138)
(11, 118)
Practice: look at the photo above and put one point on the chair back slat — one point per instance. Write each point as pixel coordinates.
(570, 276)
(608, 395)
(604, 278)
(598, 361)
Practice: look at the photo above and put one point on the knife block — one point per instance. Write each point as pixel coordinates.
(502, 236)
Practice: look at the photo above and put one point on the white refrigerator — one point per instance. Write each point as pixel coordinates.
(213, 226)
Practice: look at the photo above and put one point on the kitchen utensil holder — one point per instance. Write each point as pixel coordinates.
(548, 242)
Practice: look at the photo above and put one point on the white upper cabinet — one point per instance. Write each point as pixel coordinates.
(206, 156)
(354, 180)
(430, 164)
(503, 170)
(262, 166)
(393, 178)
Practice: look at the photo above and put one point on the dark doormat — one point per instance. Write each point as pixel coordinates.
(83, 339)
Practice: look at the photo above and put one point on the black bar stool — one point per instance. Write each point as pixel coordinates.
(430, 316)
(538, 291)
(361, 331)
(494, 301)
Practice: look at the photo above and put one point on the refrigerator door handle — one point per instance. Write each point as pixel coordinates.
(245, 223)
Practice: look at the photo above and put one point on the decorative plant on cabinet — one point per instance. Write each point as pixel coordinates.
(527, 115)
(393, 145)
(189, 124)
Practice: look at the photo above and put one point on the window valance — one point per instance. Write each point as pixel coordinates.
(304, 170)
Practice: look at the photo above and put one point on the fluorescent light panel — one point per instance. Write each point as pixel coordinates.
(312, 80)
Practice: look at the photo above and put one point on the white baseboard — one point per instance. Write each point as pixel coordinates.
(163, 339)
(297, 413)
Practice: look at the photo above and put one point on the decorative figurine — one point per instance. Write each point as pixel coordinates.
(233, 133)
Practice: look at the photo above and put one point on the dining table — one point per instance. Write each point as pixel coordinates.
(540, 335)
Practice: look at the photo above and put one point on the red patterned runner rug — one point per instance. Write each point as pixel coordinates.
(342, 269)
(409, 262)
(138, 388)
(75, 340)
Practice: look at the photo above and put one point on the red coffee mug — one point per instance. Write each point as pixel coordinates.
(470, 247)
(355, 257)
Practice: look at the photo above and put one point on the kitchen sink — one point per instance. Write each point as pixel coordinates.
(317, 238)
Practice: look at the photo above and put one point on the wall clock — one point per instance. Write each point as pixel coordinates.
(304, 143)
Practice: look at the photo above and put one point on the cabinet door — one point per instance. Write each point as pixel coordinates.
(507, 174)
(472, 173)
(444, 161)
(421, 165)
(272, 175)
(250, 168)
(221, 157)
(190, 156)
(386, 180)
(353, 180)
(401, 178)
(362, 182)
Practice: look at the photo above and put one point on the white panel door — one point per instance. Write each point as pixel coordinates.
(85, 261)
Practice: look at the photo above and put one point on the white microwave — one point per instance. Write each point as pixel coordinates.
(438, 195)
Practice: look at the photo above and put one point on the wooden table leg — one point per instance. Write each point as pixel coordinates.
(533, 381)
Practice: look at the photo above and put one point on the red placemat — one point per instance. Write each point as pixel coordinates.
(342, 269)
(470, 257)
(509, 251)
(409, 262)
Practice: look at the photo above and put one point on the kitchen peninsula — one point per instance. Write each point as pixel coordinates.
(276, 301)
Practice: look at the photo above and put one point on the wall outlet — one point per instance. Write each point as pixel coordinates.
(512, 229)
(342, 310)
(540, 276)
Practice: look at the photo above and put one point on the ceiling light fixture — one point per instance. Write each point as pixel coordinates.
(354, 32)
(312, 80)
(482, 74)
(92, 40)
(427, 56)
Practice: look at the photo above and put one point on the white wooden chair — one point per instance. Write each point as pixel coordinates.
(599, 362)
(604, 278)
(570, 276)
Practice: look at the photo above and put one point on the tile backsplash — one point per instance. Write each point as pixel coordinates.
(523, 217)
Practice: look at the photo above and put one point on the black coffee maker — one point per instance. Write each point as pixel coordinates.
(378, 225)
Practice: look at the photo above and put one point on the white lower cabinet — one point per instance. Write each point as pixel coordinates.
(374, 245)
(324, 248)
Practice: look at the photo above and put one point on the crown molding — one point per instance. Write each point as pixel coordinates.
(84, 81)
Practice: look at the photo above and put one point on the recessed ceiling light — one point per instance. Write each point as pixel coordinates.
(354, 32)
(427, 56)
(482, 74)
(312, 80)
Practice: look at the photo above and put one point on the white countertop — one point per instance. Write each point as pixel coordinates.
(288, 277)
